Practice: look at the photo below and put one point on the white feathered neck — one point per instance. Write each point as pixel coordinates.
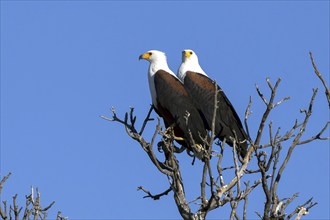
(189, 64)
(158, 61)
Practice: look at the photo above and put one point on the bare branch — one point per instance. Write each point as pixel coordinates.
(3, 212)
(316, 137)
(288, 201)
(261, 157)
(269, 105)
(247, 114)
(246, 201)
(261, 95)
(275, 158)
(32, 207)
(4, 179)
(281, 101)
(216, 106)
(154, 197)
(15, 208)
(255, 184)
(295, 141)
(219, 169)
(59, 216)
(146, 120)
(233, 213)
(203, 185)
(259, 215)
(317, 72)
(236, 168)
(48, 207)
(302, 210)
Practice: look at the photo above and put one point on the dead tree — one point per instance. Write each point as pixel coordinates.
(31, 210)
(216, 191)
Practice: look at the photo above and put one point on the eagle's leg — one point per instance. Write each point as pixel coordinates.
(178, 138)
(169, 133)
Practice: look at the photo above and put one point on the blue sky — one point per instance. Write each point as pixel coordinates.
(63, 64)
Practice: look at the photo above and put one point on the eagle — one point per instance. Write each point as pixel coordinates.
(202, 90)
(172, 102)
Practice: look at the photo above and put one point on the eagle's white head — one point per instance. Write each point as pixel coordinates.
(158, 61)
(189, 63)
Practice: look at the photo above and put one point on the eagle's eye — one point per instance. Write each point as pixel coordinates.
(191, 52)
(150, 53)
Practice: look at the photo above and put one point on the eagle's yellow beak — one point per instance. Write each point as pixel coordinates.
(145, 56)
(187, 53)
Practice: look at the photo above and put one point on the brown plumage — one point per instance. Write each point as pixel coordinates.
(202, 90)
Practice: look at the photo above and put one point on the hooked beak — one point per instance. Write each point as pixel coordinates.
(186, 53)
(144, 56)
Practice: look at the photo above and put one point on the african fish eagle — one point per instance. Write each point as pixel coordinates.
(202, 89)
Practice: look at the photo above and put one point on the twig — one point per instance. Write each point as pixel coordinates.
(203, 185)
(259, 215)
(275, 162)
(222, 183)
(3, 213)
(247, 114)
(154, 197)
(261, 95)
(207, 160)
(48, 207)
(316, 137)
(295, 141)
(268, 109)
(222, 190)
(233, 213)
(59, 216)
(215, 108)
(4, 179)
(317, 72)
(146, 120)
(236, 168)
(15, 209)
(285, 137)
(261, 157)
(255, 184)
(281, 101)
(301, 210)
(245, 201)
(288, 201)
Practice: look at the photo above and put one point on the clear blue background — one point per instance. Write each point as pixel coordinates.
(65, 63)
